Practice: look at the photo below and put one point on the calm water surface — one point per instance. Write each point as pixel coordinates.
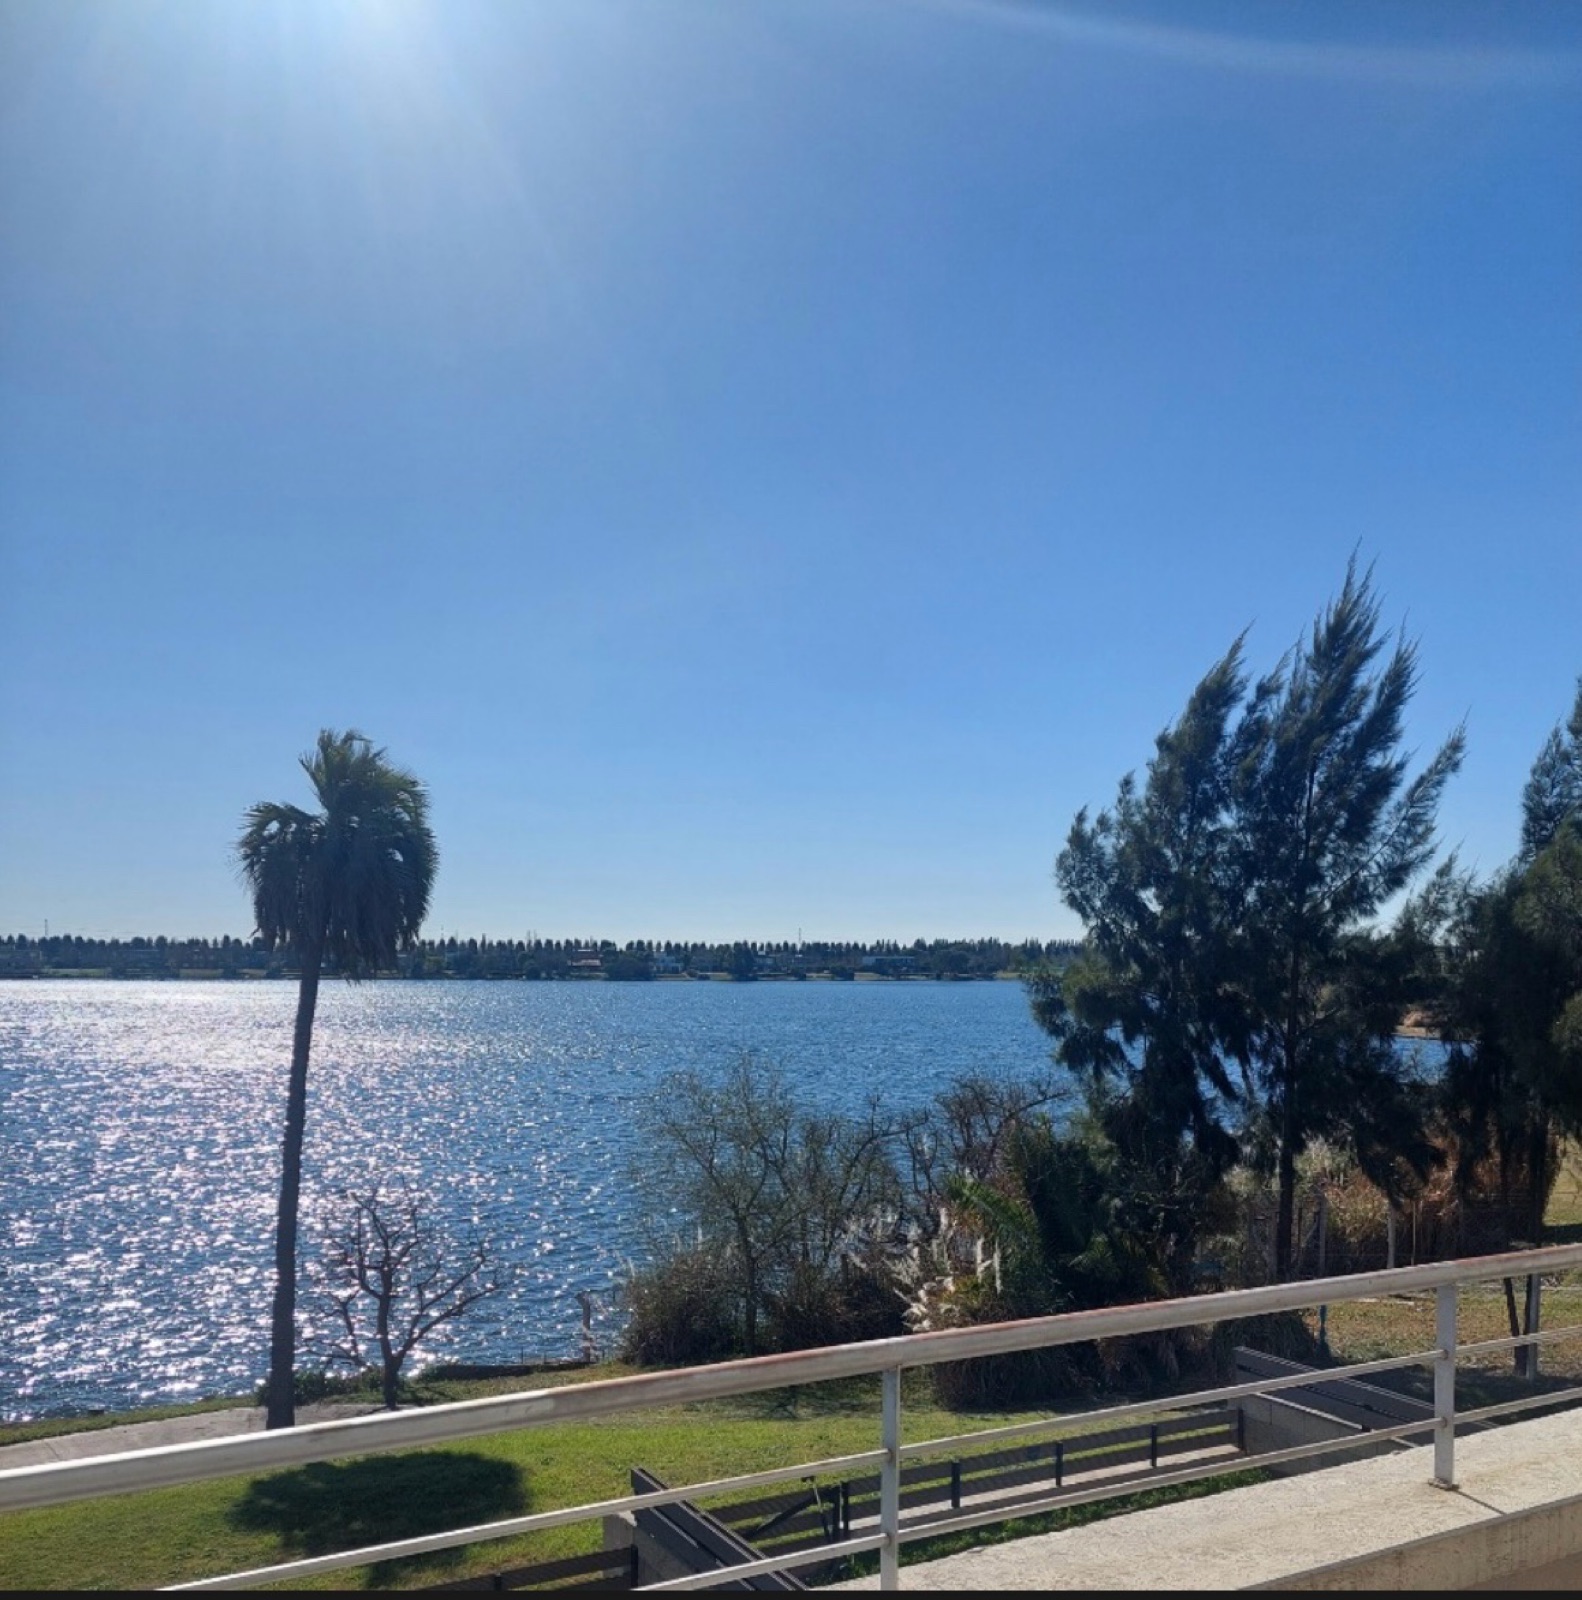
(140, 1128)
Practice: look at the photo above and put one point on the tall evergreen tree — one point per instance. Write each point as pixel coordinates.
(1234, 998)
(1329, 829)
(1552, 800)
(1149, 1014)
(1512, 1003)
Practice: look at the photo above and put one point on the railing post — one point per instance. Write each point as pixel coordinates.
(890, 1483)
(1445, 1387)
(1530, 1316)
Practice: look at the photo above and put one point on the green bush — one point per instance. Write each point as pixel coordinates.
(682, 1310)
(311, 1385)
(817, 1307)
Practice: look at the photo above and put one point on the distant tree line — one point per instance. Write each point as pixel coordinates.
(72, 955)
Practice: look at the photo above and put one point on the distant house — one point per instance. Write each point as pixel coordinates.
(889, 966)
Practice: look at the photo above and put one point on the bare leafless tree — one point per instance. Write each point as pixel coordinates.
(391, 1274)
(965, 1132)
(787, 1194)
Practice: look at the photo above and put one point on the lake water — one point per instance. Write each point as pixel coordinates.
(140, 1128)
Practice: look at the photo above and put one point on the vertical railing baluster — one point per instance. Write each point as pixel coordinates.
(1530, 1315)
(1445, 1387)
(890, 1483)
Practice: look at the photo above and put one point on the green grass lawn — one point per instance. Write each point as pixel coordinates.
(203, 1529)
(1563, 1216)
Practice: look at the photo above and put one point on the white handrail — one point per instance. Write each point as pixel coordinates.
(138, 1470)
(168, 1465)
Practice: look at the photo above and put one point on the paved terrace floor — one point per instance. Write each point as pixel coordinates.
(1515, 1521)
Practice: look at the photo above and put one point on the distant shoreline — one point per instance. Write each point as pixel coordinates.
(72, 956)
(291, 975)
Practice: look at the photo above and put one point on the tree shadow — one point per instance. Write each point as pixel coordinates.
(329, 1506)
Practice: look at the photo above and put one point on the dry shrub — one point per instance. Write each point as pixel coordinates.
(1441, 1218)
(683, 1310)
(847, 1304)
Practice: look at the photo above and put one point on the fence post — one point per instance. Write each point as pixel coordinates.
(890, 1483)
(1530, 1313)
(1445, 1387)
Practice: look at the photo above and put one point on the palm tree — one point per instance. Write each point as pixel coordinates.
(348, 884)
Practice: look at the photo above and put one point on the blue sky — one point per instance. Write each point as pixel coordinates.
(764, 465)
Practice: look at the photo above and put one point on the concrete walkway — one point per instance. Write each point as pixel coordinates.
(1374, 1524)
(170, 1430)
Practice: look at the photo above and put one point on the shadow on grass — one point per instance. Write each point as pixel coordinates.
(329, 1506)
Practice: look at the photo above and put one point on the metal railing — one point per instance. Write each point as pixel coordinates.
(139, 1470)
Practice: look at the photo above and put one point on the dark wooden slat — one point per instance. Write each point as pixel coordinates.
(604, 1565)
(1221, 1433)
(702, 1541)
(597, 1561)
(805, 1522)
(865, 1492)
(768, 1505)
(1217, 1416)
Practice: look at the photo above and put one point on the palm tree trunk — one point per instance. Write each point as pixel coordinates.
(283, 1323)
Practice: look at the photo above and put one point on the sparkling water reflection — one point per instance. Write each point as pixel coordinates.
(140, 1128)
